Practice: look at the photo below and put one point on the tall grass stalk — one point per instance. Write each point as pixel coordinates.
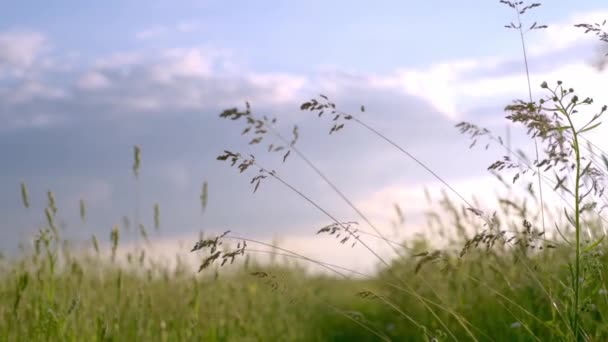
(519, 12)
(136, 169)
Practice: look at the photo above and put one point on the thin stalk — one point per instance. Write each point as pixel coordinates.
(394, 144)
(411, 156)
(524, 50)
(577, 215)
(333, 268)
(274, 175)
(333, 187)
(356, 321)
(551, 183)
(333, 218)
(535, 278)
(447, 185)
(577, 223)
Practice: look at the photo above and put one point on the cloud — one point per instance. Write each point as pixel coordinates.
(119, 60)
(28, 103)
(129, 83)
(93, 80)
(193, 78)
(458, 86)
(564, 35)
(32, 90)
(438, 84)
(20, 49)
(283, 87)
(411, 198)
(183, 63)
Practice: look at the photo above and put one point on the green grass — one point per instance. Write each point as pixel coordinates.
(88, 297)
(94, 301)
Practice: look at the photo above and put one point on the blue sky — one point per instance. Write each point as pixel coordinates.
(82, 82)
(286, 35)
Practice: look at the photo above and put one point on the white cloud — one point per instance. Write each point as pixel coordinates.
(438, 84)
(93, 80)
(178, 63)
(183, 79)
(20, 49)
(454, 87)
(435, 85)
(281, 87)
(32, 90)
(329, 249)
(119, 60)
(412, 199)
(191, 78)
(564, 35)
(143, 103)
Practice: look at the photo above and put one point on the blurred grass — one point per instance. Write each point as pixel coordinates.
(87, 297)
(491, 291)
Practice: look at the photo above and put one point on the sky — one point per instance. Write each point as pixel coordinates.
(82, 82)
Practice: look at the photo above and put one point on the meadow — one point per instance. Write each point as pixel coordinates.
(530, 270)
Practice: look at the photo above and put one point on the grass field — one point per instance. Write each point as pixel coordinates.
(492, 293)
